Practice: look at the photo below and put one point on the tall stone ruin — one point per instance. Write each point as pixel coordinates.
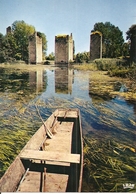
(64, 45)
(35, 49)
(8, 30)
(95, 45)
(133, 47)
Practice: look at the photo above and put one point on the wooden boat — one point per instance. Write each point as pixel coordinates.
(52, 160)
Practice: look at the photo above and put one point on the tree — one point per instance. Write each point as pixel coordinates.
(125, 49)
(21, 32)
(1, 48)
(51, 56)
(7, 48)
(112, 39)
(82, 57)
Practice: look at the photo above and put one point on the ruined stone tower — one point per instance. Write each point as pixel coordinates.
(133, 47)
(95, 45)
(63, 49)
(8, 30)
(35, 49)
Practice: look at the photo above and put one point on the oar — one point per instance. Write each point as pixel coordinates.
(49, 133)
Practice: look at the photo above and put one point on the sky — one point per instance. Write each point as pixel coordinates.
(53, 17)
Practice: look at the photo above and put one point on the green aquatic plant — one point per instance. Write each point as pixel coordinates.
(106, 170)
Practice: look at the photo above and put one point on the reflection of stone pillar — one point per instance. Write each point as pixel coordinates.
(63, 80)
(36, 81)
(35, 49)
(32, 80)
(95, 45)
(63, 49)
(39, 76)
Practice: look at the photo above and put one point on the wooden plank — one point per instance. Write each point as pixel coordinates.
(56, 182)
(61, 142)
(36, 139)
(31, 183)
(50, 156)
(9, 181)
(68, 113)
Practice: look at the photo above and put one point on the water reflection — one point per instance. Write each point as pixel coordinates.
(104, 118)
(18, 82)
(63, 80)
(37, 81)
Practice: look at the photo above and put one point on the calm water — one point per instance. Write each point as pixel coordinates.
(20, 91)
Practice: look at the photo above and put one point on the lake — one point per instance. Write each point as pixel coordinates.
(108, 123)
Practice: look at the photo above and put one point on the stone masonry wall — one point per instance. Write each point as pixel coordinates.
(38, 49)
(63, 49)
(32, 50)
(8, 30)
(133, 48)
(35, 49)
(95, 46)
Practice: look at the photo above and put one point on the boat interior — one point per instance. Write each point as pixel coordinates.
(51, 161)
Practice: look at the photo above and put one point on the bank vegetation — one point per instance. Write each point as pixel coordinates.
(113, 68)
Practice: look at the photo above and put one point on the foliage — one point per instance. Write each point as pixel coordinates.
(44, 44)
(106, 64)
(51, 56)
(7, 48)
(21, 32)
(82, 57)
(112, 39)
(125, 49)
(131, 32)
(128, 72)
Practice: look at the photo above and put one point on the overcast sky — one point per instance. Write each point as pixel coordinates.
(53, 17)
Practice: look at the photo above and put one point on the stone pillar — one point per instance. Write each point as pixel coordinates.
(35, 49)
(8, 30)
(95, 45)
(63, 49)
(71, 45)
(133, 48)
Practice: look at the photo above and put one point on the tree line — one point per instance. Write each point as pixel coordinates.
(14, 45)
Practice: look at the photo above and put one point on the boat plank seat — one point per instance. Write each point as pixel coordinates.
(68, 114)
(50, 156)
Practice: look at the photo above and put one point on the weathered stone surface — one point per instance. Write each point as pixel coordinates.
(133, 48)
(35, 49)
(8, 30)
(63, 49)
(95, 45)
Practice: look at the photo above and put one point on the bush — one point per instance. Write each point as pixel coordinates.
(47, 63)
(106, 64)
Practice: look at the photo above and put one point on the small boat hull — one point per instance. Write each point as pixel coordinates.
(52, 160)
